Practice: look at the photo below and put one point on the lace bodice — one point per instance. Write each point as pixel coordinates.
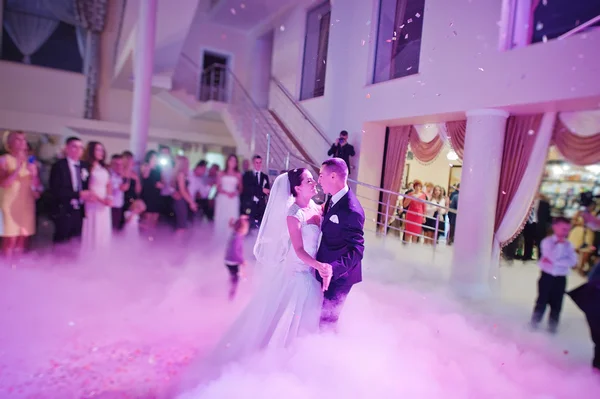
(99, 181)
(311, 232)
(229, 183)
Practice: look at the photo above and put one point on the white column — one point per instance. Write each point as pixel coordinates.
(142, 83)
(484, 144)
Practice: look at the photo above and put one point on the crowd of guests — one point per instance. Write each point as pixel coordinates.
(423, 211)
(92, 198)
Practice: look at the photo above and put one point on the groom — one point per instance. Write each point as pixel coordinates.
(342, 244)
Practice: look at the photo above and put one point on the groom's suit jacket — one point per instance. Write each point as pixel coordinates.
(342, 243)
(61, 188)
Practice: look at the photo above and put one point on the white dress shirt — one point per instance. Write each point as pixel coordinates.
(562, 256)
(199, 185)
(73, 169)
(335, 198)
(118, 196)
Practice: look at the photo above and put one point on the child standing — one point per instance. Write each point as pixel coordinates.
(234, 255)
(132, 218)
(558, 258)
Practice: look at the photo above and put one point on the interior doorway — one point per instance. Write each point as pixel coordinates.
(213, 81)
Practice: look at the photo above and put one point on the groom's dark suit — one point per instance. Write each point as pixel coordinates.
(342, 246)
(68, 209)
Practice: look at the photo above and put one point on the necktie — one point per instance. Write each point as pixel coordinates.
(78, 176)
(258, 178)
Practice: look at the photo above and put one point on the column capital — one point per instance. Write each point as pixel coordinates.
(488, 112)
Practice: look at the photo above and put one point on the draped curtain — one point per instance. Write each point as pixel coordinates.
(91, 15)
(577, 149)
(395, 158)
(66, 11)
(27, 26)
(456, 131)
(526, 164)
(521, 134)
(426, 152)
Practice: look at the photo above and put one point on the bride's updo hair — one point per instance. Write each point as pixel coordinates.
(295, 179)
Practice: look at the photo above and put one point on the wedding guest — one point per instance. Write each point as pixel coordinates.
(97, 223)
(119, 186)
(19, 185)
(134, 187)
(151, 188)
(69, 189)
(415, 211)
(342, 149)
(559, 257)
(435, 214)
(183, 202)
(234, 255)
(255, 192)
(131, 227)
(200, 188)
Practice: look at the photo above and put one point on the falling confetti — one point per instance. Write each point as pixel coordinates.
(531, 132)
(545, 39)
(406, 36)
(418, 15)
(368, 95)
(409, 20)
(233, 11)
(282, 28)
(481, 69)
(242, 6)
(539, 26)
(362, 42)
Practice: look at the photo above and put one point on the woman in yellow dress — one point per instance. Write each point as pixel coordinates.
(18, 190)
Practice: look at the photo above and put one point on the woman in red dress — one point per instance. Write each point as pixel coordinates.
(415, 213)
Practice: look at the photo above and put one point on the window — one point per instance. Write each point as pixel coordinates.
(554, 18)
(59, 50)
(316, 42)
(534, 21)
(398, 39)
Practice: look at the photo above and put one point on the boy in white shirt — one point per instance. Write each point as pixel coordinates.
(559, 257)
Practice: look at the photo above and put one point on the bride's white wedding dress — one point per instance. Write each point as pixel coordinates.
(97, 225)
(286, 305)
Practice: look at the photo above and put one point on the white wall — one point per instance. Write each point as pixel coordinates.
(41, 90)
(461, 68)
(261, 69)
(206, 35)
(437, 172)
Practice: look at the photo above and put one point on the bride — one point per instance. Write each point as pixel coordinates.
(288, 302)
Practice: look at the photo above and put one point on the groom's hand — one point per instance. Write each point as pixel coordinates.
(326, 272)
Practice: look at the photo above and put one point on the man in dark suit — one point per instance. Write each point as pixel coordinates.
(342, 243)
(342, 149)
(255, 192)
(68, 186)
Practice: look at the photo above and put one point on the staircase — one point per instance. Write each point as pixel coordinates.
(256, 130)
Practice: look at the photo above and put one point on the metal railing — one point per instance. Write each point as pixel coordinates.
(219, 83)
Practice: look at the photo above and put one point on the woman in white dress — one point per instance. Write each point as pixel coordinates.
(97, 229)
(288, 302)
(227, 201)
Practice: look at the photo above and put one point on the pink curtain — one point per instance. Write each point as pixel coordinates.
(425, 152)
(456, 133)
(397, 147)
(518, 146)
(580, 150)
